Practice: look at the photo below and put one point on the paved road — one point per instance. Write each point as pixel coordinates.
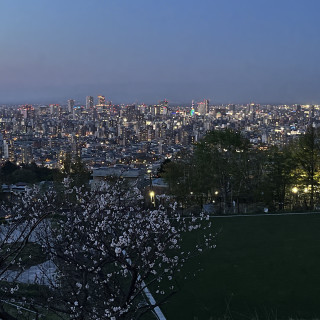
(43, 273)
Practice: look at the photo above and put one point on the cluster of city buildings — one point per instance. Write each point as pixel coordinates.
(104, 134)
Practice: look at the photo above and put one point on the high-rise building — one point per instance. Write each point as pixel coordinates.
(55, 109)
(203, 107)
(26, 153)
(101, 101)
(27, 111)
(5, 150)
(164, 107)
(70, 105)
(89, 102)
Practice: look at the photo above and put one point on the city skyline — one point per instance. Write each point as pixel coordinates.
(145, 51)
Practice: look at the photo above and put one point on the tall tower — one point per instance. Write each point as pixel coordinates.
(206, 102)
(89, 102)
(311, 116)
(70, 105)
(5, 150)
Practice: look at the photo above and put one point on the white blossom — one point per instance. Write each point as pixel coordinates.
(100, 240)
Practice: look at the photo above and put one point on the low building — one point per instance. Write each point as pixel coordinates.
(132, 175)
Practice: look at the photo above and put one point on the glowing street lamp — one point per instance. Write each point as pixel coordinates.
(151, 194)
(295, 197)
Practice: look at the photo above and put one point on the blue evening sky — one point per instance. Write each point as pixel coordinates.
(266, 51)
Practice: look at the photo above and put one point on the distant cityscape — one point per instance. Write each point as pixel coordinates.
(103, 134)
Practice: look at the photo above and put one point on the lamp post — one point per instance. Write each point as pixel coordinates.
(152, 199)
(295, 192)
(151, 192)
(216, 193)
(150, 178)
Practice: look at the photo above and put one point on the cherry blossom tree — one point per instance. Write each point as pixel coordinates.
(107, 249)
(23, 215)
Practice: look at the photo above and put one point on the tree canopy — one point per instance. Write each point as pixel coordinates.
(227, 170)
(105, 252)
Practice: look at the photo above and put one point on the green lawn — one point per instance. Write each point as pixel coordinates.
(265, 267)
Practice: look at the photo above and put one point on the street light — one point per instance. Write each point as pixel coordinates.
(151, 194)
(295, 192)
(216, 193)
(150, 180)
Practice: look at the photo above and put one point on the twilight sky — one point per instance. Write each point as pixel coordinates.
(266, 51)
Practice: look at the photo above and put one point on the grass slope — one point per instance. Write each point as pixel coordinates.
(263, 267)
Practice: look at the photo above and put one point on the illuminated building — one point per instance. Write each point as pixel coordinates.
(203, 107)
(55, 109)
(101, 100)
(89, 102)
(70, 105)
(5, 150)
(27, 111)
(164, 107)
